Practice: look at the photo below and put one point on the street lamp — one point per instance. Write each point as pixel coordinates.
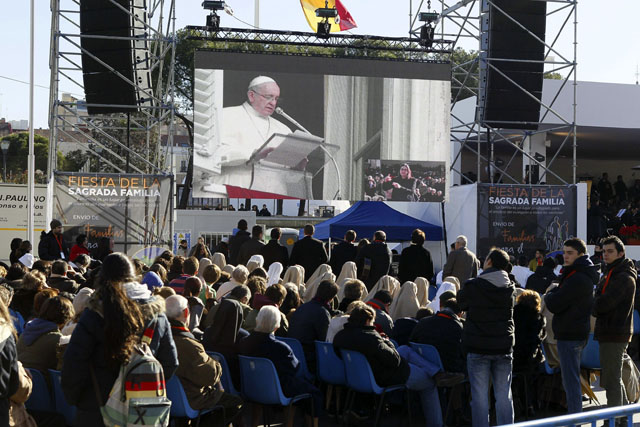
(5, 148)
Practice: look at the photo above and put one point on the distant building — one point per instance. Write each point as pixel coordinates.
(5, 128)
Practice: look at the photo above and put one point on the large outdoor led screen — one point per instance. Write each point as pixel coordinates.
(277, 126)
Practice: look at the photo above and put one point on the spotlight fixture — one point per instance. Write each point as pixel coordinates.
(427, 31)
(325, 13)
(428, 16)
(213, 20)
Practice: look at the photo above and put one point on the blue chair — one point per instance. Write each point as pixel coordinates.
(62, 407)
(180, 407)
(590, 359)
(40, 399)
(360, 379)
(330, 368)
(636, 322)
(428, 352)
(260, 383)
(298, 351)
(394, 342)
(227, 382)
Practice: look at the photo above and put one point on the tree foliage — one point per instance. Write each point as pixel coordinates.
(18, 154)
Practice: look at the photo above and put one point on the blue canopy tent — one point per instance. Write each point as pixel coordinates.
(368, 217)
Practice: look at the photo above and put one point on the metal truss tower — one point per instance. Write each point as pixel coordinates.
(106, 138)
(556, 130)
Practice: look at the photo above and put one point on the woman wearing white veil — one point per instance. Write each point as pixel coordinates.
(446, 286)
(405, 304)
(323, 272)
(254, 262)
(295, 274)
(423, 291)
(349, 271)
(275, 270)
(385, 283)
(219, 260)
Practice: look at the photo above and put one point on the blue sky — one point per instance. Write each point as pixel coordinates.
(608, 40)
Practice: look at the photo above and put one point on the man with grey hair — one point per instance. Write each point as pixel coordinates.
(461, 263)
(198, 373)
(245, 128)
(263, 343)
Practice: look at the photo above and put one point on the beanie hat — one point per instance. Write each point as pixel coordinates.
(55, 223)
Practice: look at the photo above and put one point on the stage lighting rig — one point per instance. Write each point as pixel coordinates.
(325, 13)
(427, 31)
(213, 19)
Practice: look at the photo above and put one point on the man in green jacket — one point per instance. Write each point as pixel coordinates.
(613, 309)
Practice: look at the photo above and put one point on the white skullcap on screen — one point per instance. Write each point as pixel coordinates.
(260, 80)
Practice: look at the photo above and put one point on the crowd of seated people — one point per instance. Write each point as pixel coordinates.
(84, 318)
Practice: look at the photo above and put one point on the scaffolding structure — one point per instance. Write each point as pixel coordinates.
(461, 22)
(105, 138)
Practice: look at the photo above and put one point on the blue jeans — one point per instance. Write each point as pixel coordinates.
(570, 353)
(419, 380)
(497, 368)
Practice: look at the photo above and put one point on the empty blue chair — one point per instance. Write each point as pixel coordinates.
(40, 399)
(298, 351)
(226, 380)
(180, 407)
(360, 379)
(260, 383)
(636, 322)
(62, 407)
(330, 368)
(428, 352)
(591, 355)
(394, 342)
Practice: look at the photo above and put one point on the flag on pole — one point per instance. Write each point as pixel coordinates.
(344, 20)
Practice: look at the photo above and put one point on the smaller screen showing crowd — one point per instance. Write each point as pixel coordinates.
(404, 181)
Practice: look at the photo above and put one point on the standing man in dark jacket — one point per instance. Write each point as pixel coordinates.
(52, 245)
(236, 241)
(252, 246)
(415, 261)
(613, 309)
(343, 252)
(273, 251)
(571, 303)
(488, 337)
(308, 252)
(374, 260)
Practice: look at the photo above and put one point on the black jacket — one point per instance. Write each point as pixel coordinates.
(274, 252)
(342, 253)
(235, 243)
(415, 261)
(309, 323)
(63, 284)
(379, 255)
(309, 253)
(613, 304)
(444, 332)
(48, 248)
(488, 300)
(9, 376)
(541, 279)
(248, 249)
(530, 332)
(571, 302)
(387, 365)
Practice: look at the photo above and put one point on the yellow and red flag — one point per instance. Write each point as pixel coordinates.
(344, 20)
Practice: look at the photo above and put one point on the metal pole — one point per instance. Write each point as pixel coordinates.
(31, 159)
(575, 90)
(256, 13)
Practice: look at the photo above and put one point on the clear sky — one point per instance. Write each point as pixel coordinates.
(608, 37)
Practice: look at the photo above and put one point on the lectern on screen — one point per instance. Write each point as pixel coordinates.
(291, 127)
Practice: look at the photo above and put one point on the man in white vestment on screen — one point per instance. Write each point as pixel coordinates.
(243, 129)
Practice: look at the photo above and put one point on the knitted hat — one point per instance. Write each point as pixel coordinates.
(55, 224)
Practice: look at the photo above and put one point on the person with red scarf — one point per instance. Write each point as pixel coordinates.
(80, 247)
(52, 245)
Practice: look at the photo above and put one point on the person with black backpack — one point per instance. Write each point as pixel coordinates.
(103, 342)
